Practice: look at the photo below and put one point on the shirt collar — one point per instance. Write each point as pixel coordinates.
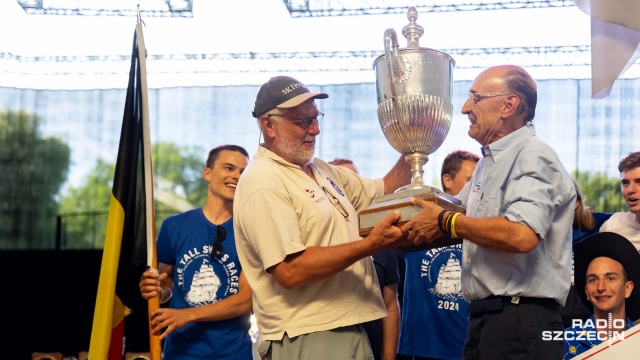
(495, 149)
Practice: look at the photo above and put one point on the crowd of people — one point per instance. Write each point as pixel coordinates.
(278, 237)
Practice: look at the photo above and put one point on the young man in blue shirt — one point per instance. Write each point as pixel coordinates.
(200, 273)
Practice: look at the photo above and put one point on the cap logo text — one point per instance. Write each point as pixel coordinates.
(291, 88)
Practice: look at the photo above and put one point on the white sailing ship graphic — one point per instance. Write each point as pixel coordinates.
(448, 284)
(204, 286)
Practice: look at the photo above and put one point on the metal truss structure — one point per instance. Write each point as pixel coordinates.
(155, 8)
(297, 8)
(538, 56)
(320, 8)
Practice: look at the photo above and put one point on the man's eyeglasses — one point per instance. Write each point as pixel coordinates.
(304, 122)
(336, 203)
(474, 97)
(221, 235)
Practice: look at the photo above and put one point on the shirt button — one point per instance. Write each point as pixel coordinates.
(466, 292)
(469, 261)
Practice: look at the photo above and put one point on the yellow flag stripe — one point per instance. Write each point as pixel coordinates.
(109, 310)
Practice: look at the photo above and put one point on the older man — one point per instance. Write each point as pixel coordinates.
(297, 229)
(516, 267)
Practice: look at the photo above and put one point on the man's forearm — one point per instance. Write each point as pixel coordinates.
(399, 175)
(497, 234)
(390, 323)
(316, 263)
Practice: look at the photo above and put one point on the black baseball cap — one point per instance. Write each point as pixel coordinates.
(616, 247)
(282, 92)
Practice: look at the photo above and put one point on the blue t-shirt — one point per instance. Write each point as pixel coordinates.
(186, 241)
(433, 304)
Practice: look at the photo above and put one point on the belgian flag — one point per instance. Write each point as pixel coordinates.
(128, 225)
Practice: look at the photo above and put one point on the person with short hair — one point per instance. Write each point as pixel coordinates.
(457, 169)
(586, 222)
(516, 261)
(627, 223)
(607, 267)
(432, 300)
(200, 274)
(297, 233)
(346, 163)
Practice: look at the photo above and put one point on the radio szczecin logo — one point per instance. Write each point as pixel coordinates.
(583, 330)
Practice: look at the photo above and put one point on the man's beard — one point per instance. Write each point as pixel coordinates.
(291, 149)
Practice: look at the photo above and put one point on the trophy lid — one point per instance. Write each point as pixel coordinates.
(412, 31)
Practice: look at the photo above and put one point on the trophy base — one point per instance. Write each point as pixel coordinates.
(383, 205)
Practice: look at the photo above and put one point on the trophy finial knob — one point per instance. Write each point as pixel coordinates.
(412, 31)
(412, 14)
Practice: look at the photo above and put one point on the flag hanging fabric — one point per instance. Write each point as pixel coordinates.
(615, 40)
(125, 240)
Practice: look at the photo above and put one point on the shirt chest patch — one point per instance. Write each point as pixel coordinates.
(477, 185)
(335, 186)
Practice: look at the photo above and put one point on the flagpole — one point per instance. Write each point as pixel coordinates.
(152, 259)
(122, 238)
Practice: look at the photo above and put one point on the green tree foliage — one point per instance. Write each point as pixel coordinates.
(32, 170)
(84, 210)
(601, 193)
(179, 170)
(178, 186)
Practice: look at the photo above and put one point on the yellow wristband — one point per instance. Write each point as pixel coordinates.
(453, 225)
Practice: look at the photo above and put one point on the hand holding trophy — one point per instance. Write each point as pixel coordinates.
(414, 87)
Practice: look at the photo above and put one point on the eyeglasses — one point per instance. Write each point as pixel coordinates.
(304, 122)
(221, 235)
(474, 97)
(336, 203)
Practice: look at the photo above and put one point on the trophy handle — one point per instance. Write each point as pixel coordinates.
(399, 68)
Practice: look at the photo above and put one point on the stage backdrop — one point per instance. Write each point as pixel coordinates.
(589, 135)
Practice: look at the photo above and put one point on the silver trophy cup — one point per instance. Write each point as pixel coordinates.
(414, 87)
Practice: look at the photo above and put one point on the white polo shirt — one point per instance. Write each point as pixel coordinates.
(625, 224)
(279, 210)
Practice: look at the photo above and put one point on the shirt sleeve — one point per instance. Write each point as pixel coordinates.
(535, 190)
(270, 225)
(164, 249)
